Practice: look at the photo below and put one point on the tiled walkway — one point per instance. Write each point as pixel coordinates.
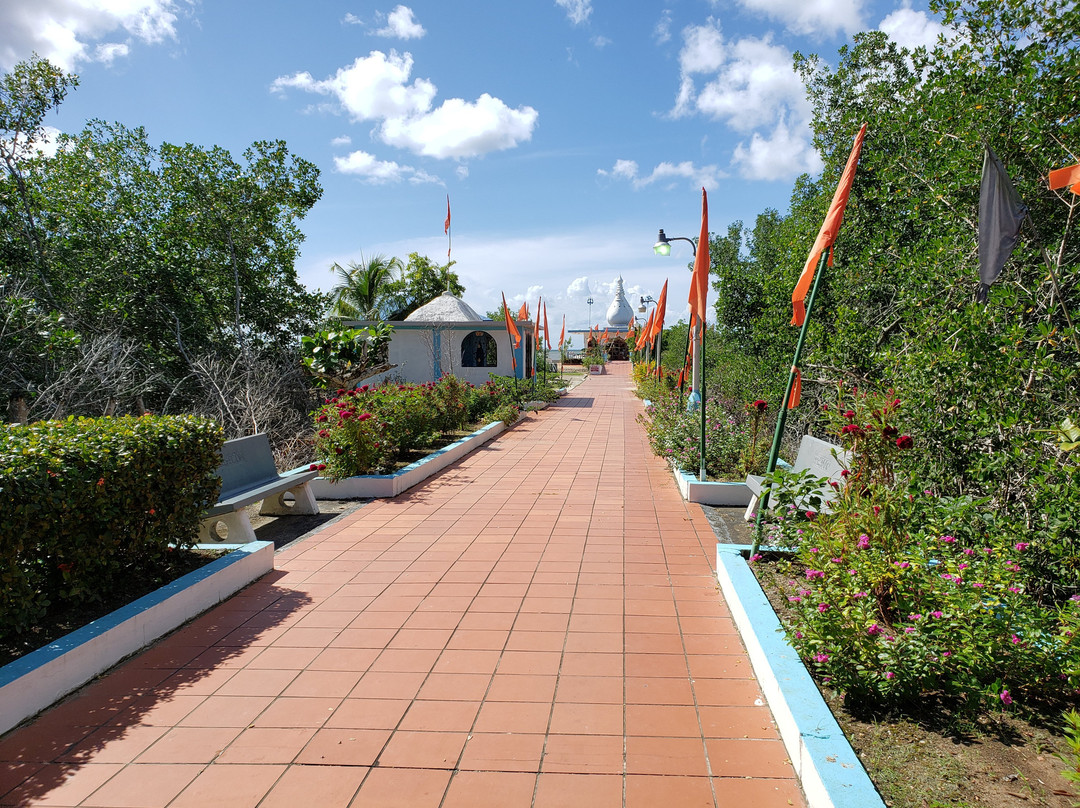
(539, 625)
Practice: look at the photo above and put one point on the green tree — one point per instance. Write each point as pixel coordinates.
(361, 288)
(420, 281)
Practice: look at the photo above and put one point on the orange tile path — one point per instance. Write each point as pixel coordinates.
(539, 625)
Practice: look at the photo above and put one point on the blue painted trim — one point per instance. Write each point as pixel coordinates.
(437, 354)
(838, 767)
(35, 659)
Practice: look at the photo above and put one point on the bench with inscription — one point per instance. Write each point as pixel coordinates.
(248, 475)
(820, 458)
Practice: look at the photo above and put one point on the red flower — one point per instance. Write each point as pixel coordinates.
(904, 442)
(760, 405)
(811, 515)
(850, 415)
(890, 431)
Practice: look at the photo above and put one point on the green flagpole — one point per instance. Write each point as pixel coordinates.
(781, 419)
(701, 386)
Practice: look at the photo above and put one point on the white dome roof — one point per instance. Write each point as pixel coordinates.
(620, 313)
(446, 308)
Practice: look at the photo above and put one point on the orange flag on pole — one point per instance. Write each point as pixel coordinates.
(547, 334)
(661, 310)
(523, 312)
(699, 281)
(827, 234)
(536, 336)
(512, 332)
(562, 336)
(446, 226)
(1070, 175)
(643, 335)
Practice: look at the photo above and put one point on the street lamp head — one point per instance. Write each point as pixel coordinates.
(662, 245)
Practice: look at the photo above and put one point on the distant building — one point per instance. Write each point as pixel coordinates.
(446, 335)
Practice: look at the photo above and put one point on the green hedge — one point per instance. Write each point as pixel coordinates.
(83, 500)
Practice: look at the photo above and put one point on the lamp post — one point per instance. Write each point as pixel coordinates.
(590, 302)
(663, 247)
(697, 336)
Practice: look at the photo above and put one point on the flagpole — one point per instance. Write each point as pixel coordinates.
(701, 382)
(781, 418)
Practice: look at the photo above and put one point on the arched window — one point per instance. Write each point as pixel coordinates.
(478, 350)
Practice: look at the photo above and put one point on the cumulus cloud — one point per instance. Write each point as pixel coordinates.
(707, 177)
(812, 17)
(380, 172)
(576, 10)
(352, 19)
(912, 29)
(749, 85)
(662, 32)
(400, 24)
(341, 140)
(376, 87)
(65, 31)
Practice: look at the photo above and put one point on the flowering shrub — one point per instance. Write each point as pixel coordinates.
(899, 592)
(368, 429)
(732, 445)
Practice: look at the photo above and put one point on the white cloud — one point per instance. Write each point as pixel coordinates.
(380, 172)
(912, 29)
(751, 87)
(782, 155)
(400, 24)
(341, 140)
(64, 31)
(600, 42)
(352, 19)
(459, 128)
(372, 87)
(707, 177)
(108, 52)
(375, 88)
(812, 17)
(576, 10)
(462, 172)
(662, 32)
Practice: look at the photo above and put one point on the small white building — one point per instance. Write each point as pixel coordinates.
(446, 335)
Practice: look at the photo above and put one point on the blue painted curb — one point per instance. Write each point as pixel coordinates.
(828, 768)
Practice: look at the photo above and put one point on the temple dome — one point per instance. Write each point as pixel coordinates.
(446, 308)
(620, 313)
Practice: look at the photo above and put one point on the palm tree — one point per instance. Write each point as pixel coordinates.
(361, 287)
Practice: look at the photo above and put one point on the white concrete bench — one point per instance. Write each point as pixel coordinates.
(820, 458)
(248, 475)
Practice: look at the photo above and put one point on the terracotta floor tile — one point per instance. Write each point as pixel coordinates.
(63, 785)
(748, 792)
(423, 750)
(680, 756)
(719, 666)
(658, 690)
(322, 786)
(226, 711)
(530, 662)
(502, 752)
(656, 665)
(42, 742)
(579, 663)
(662, 720)
(352, 660)
(402, 660)
(542, 622)
(686, 792)
(514, 717)
(189, 745)
(344, 747)
(490, 790)
(728, 692)
(402, 788)
(368, 713)
(593, 754)
(737, 722)
(478, 639)
(144, 785)
(597, 642)
(735, 757)
(326, 683)
(590, 689)
(114, 744)
(522, 687)
(440, 716)
(256, 745)
(388, 685)
(281, 658)
(575, 790)
(229, 786)
(535, 641)
(587, 719)
(455, 686)
(257, 682)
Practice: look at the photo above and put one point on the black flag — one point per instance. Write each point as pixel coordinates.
(1000, 215)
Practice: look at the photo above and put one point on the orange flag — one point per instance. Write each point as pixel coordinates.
(827, 234)
(523, 312)
(536, 336)
(604, 339)
(643, 336)
(446, 226)
(661, 309)
(512, 332)
(562, 336)
(699, 281)
(547, 334)
(1070, 175)
(796, 390)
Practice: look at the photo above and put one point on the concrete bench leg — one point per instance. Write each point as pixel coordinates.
(303, 503)
(749, 515)
(239, 528)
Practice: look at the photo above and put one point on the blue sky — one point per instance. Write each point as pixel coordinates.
(565, 132)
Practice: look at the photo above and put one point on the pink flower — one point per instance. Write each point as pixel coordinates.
(812, 574)
(948, 539)
(1015, 640)
(937, 614)
(1021, 546)
(889, 675)
(822, 658)
(823, 607)
(756, 557)
(864, 542)
(874, 629)
(1006, 699)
